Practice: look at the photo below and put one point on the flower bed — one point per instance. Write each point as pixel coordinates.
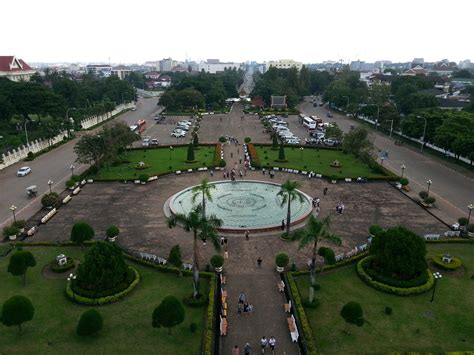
(55, 267)
(253, 155)
(455, 263)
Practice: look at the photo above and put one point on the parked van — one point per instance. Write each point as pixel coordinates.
(317, 119)
(308, 123)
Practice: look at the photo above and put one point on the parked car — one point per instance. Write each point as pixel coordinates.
(185, 122)
(154, 141)
(183, 127)
(146, 141)
(178, 133)
(331, 142)
(313, 141)
(293, 141)
(23, 171)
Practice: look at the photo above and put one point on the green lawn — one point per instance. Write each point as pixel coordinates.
(159, 161)
(127, 324)
(415, 325)
(318, 161)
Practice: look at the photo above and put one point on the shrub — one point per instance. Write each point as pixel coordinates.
(19, 223)
(10, 230)
(462, 221)
(404, 181)
(168, 314)
(470, 228)
(112, 231)
(143, 177)
(217, 261)
(274, 142)
(455, 263)
(50, 199)
(17, 310)
(253, 155)
(388, 310)
(222, 163)
(192, 302)
(175, 256)
(282, 260)
(313, 305)
(222, 139)
(375, 230)
(80, 232)
(90, 323)
(69, 184)
(352, 313)
(247, 140)
(429, 200)
(20, 262)
(55, 267)
(30, 156)
(190, 155)
(193, 327)
(423, 194)
(195, 141)
(76, 178)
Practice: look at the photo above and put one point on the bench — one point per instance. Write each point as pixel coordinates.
(281, 286)
(223, 326)
(287, 307)
(291, 324)
(223, 279)
(293, 329)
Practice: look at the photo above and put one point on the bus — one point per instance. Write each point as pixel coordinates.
(141, 126)
(308, 123)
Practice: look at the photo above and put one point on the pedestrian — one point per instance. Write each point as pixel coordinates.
(231, 154)
(222, 241)
(240, 160)
(263, 171)
(325, 191)
(263, 343)
(272, 343)
(259, 262)
(239, 308)
(225, 240)
(317, 201)
(235, 350)
(242, 297)
(226, 254)
(212, 173)
(247, 233)
(282, 224)
(247, 349)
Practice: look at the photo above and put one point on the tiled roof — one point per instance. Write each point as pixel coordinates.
(6, 61)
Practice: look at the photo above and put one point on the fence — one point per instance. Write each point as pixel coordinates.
(15, 155)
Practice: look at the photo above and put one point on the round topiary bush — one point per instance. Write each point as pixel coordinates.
(375, 230)
(462, 221)
(90, 323)
(76, 178)
(429, 200)
(112, 232)
(423, 194)
(352, 313)
(282, 260)
(455, 263)
(70, 184)
(143, 177)
(222, 163)
(50, 199)
(222, 139)
(247, 140)
(404, 181)
(217, 261)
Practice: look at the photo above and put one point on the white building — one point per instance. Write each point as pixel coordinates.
(213, 66)
(15, 69)
(121, 71)
(284, 64)
(103, 70)
(167, 64)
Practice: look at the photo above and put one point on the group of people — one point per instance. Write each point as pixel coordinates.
(243, 306)
(271, 173)
(340, 207)
(264, 344)
(233, 173)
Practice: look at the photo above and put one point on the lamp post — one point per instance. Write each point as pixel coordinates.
(381, 160)
(429, 182)
(391, 127)
(403, 167)
(26, 135)
(13, 209)
(301, 150)
(171, 149)
(424, 133)
(50, 183)
(436, 276)
(469, 207)
(70, 279)
(347, 106)
(72, 170)
(68, 121)
(378, 116)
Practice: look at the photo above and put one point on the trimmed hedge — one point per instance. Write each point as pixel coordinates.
(103, 300)
(307, 331)
(336, 265)
(210, 332)
(455, 263)
(390, 289)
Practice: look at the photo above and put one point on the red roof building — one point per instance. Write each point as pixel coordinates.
(15, 69)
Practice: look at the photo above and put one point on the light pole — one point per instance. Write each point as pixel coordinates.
(424, 133)
(50, 183)
(72, 170)
(391, 127)
(70, 279)
(68, 120)
(469, 207)
(381, 160)
(13, 209)
(429, 182)
(26, 135)
(378, 116)
(171, 149)
(403, 167)
(301, 150)
(436, 276)
(347, 106)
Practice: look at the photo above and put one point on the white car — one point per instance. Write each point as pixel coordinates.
(23, 171)
(185, 122)
(146, 142)
(178, 133)
(183, 127)
(293, 141)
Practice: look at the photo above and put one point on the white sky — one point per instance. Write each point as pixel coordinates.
(309, 31)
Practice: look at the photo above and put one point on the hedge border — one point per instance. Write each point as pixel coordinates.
(342, 263)
(102, 300)
(391, 289)
(438, 261)
(309, 342)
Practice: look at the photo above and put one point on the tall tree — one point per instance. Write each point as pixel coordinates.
(17, 310)
(289, 193)
(203, 191)
(204, 227)
(357, 141)
(169, 313)
(20, 262)
(314, 232)
(80, 232)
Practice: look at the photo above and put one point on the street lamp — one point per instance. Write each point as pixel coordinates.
(13, 209)
(171, 149)
(391, 127)
(424, 133)
(436, 275)
(403, 167)
(50, 183)
(469, 207)
(378, 116)
(381, 160)
(347, 106)
(70, 279)
(429, 182)
(301, 150)
(26, 135)
(72, 170)
(68, 120)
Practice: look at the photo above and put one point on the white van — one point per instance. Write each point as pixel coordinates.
(308, 123)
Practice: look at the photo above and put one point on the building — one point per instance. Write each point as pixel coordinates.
(361, 66)
(285, 64)
(167, 64)
(465, 64)
(101, 70)
(278, 101)
(418, 62)
(152, 75)
(121, 71)
(416, 71)
(444, 68)
(214, 66)
(15, 69)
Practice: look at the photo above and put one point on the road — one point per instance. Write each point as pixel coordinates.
(453, 187)
(55, 166)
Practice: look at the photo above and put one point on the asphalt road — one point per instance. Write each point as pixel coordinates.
(453, 187)
(55, 166)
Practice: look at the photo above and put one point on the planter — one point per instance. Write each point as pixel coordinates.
(470, 234)
(112, 239)
(12, 237)
(406, 188)
(280, 268)
(334, 181)
(22, 230)
(218, 268)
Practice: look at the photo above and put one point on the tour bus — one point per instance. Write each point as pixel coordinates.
(308, 123)
(141, 126)
(316, 119)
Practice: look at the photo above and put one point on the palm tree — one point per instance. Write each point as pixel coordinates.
(289, 193)
(202, 227)
(314, 232)
(204, 189)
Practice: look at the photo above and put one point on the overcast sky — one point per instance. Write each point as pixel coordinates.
(309, 31)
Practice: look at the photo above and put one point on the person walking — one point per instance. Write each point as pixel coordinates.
(226, 254)
(235, 350)
(247, 349)
(222, 241)
(282, 224)
(259, 262)
(242, 297)
(272, 343)
(325, 191)
(263, 344)
(247, 233)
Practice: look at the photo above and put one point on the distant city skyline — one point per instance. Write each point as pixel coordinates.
(310, 32)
